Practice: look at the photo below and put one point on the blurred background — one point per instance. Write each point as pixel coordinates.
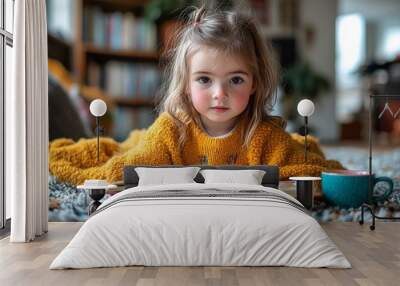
(335, 52)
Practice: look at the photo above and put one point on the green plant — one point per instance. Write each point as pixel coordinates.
(298, 82)
(160, 10)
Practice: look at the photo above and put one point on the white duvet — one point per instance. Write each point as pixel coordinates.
(185, 230)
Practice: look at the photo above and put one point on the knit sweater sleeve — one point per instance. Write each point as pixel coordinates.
(154, 148)
(288, 154)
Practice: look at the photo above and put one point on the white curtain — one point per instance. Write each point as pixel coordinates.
(27, 124)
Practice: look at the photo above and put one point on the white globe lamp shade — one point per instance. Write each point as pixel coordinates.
(98, 107)
(305, 107)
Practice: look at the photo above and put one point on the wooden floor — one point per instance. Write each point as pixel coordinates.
(374, 255)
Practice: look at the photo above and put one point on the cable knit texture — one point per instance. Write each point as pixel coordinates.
(76, 162)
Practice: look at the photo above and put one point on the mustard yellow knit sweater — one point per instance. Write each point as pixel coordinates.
(75, 162)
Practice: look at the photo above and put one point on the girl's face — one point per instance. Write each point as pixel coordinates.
(220, 86)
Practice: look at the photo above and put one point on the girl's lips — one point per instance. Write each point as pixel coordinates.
(219, 109)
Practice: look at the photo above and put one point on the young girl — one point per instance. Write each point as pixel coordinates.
(222, 80)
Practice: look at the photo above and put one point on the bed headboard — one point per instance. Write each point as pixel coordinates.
(270, 179)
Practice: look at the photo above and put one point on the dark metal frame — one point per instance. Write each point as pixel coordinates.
(6, 38)
(370, 206)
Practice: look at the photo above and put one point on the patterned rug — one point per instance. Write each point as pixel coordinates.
(70, 204)
(384, 163)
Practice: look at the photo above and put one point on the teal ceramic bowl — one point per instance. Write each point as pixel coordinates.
(349, 189)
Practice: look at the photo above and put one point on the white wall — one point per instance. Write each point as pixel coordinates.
(321, 15)
(384, 27)
(381, 16)
(371, 9)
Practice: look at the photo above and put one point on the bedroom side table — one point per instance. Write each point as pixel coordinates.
(96, 191)
(96, 195)
(304, 190)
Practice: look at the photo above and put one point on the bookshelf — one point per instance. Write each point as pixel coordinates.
(98, 52)
(136, 102)
(117, 50)
(106, 53)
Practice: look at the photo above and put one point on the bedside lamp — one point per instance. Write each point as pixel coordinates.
(97, 188)
(304, 185)
(305, 108)
(98, 108)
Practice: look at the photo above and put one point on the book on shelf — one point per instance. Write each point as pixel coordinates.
(118, 31)
(124, 121)
(130, 80)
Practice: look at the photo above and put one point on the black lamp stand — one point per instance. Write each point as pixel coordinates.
(97, 134)
(99, 131)
(304, 185)
(96, 194)
(305, 138)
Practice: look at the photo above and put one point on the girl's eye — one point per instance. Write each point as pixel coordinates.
(237, 80)
(203, 80)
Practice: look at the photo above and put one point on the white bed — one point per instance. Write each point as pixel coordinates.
(201, 224)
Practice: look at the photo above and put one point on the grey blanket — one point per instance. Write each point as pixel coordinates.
(202, 194)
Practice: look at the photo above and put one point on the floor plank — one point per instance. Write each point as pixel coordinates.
(374, 255)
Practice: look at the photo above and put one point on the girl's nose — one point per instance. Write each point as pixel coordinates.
(219, 93)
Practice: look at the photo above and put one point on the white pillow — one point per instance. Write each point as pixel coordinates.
(249, 177)
(162, 176)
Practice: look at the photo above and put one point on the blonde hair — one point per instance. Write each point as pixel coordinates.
(226, 31)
